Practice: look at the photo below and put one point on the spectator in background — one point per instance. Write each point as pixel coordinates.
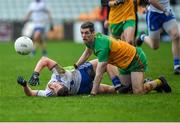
(40, 16)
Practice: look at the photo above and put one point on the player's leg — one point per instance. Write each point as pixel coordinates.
(126, 86)
(153, 40)
(126, 79)
(42, 43)
(154, 30)
(171, 27)
(34, 42)
(39, 39)
(113, 74)
(128, 35)
(161, 83)
(116, 30)
(137, 68)
(129, 30)
(137, 79)
(106, 89)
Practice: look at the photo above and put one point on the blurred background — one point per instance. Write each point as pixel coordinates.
(67, 17)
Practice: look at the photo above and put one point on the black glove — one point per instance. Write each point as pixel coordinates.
(34, 80)
(75, 66)
(21, 81)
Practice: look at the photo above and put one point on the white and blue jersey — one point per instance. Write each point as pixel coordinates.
(39, 15)
(155, 18)
(164, 3)
(78, 81)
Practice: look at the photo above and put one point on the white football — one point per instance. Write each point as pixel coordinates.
(23, 45)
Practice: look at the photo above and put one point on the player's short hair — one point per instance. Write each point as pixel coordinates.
(89, 25)
(144, 2)
(63, 91)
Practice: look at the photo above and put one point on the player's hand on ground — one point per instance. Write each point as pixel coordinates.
(21, 81)
(90, 95)
(34, 80)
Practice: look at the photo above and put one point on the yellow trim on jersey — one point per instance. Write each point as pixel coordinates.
(121, 54)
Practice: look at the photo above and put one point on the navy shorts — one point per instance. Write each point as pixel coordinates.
(87, 75)
(155, 20)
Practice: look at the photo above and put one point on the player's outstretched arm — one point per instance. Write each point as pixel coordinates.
(101, 67)
(84, 57)
(42, 63)
(27, 90)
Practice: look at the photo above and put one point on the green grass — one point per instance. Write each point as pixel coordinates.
(15, 106)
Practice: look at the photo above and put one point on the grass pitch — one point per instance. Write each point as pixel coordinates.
(15, 106)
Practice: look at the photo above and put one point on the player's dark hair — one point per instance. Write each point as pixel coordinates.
(144, 3)
(63, 91)
(89, 25)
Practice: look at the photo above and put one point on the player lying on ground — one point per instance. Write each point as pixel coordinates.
(66, 82)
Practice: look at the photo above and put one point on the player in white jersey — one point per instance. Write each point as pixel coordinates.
(160, 17)
(66, 81)
(41, 17)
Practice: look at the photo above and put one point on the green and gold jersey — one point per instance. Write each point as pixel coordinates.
(122, 12)
(113, 51)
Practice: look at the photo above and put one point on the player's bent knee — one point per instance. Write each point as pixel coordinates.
(176, 37)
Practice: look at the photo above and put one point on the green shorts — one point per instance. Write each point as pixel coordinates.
(118, 29)
(138, 64)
